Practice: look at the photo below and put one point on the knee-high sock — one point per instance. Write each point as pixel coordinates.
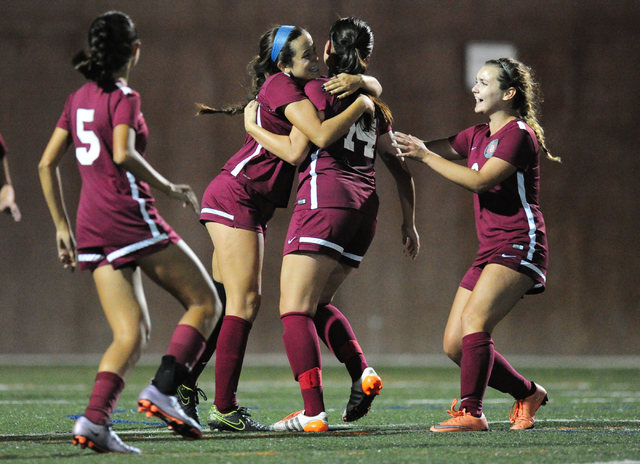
(212, 341)
(232, 344)
(303, 350)
(335, 331)
(475, 370)
(186, 345)
(506, 379)
(106, 391)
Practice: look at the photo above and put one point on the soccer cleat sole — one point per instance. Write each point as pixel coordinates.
(176, 425)
(84, 442)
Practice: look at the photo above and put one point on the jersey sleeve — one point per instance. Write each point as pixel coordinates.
(517, 148)
(461, 142)
(64, 122)
(127, 109)
(282, 91)
(318, 96)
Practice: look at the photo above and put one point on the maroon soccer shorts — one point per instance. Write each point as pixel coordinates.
(227, 201)
(122, 256)
(344, 234)
(513, 257)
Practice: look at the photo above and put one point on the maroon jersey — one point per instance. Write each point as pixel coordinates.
(3, 148)
(509, 213)
(262, 171)
(114, 208)
(341, 175)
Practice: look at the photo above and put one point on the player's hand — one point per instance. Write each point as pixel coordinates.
(343, 84)
(66, 249)
(8, 202)
(251, 114)
(185, 193)
(410, 146)
(410, 241)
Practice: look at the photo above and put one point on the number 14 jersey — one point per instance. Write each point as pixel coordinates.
(341, 175)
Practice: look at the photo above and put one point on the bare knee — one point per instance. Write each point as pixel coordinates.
(452, 348)
(245, 307)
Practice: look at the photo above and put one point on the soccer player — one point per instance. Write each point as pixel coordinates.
(332, 226)
(119, 232)
(7, 192)
(239, 201)
(503, 172)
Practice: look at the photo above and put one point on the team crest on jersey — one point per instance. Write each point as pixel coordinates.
(491, 148)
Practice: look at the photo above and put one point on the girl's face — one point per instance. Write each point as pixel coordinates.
(305, 59)
(489, 97)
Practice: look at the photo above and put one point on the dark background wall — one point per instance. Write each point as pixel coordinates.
(585, 54)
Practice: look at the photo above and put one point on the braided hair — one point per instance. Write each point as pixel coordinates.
(112, 37)
(259, 68)
(513, 73)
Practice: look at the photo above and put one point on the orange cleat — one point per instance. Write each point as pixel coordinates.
(461, 421)
(523, 412)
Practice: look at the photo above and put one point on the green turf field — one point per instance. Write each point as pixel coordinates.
(593, 416)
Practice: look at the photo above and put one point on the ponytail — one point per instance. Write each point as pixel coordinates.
(513, 73)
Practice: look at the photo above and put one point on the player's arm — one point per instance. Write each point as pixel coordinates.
(7, 193)
(292, 148)
(492, 173)
(345, 84)
(126, 155)
(52, 189)
(406, 192)
(303, 115)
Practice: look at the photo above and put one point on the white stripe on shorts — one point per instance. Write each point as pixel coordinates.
(135, 247)
(90, 257)
(217, 212)
(322, 242)
(534, 268)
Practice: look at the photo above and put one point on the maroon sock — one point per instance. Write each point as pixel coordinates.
(335, 331)
(232, 343)
(212, 341)
(303, 350)
(186, 345)
(475, 367)
(506, 379)
(106, 391)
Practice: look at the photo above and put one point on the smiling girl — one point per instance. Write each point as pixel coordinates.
(503, 172)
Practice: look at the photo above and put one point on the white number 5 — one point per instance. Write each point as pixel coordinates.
(86, 156)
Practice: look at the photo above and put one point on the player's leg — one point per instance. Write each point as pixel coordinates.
(496, 292)
(177, 270)
(304, 275)
(128, 320)
(238, 258)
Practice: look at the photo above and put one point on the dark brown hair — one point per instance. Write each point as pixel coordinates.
(112, 36)
(259, 68)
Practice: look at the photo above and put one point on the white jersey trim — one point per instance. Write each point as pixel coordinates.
(240, 166)
(135, 194)
(217, 212)
(522, 192)
(314, 180)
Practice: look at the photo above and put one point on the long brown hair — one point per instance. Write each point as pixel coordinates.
(259, 68)
(352, 42)
(513, 73)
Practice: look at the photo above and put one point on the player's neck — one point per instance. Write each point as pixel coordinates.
(499, 119)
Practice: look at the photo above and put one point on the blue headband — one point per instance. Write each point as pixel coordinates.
(278, 42)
